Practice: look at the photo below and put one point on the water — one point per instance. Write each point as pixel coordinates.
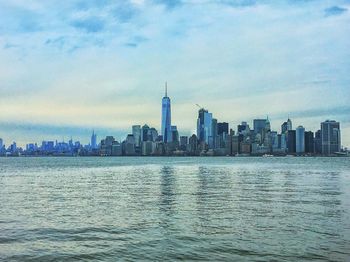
(157, 209)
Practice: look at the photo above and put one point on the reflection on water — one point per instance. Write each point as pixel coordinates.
(167, 190)
(174, 208)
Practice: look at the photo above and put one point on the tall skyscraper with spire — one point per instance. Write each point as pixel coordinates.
(93, 140)
(166, 117)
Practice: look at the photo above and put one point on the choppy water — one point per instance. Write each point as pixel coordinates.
(160, 209)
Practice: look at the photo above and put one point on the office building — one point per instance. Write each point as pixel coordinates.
(193, 145)
(245, 148)
(213, 139)
(235, 144)
(152, 134)
(130, 145)
(222, 128)
(259, 125)
(204, 125)
(183, 143)
(309, 142)
(286, 126)
(144, 133)
(174, 134)
(274, 143)
(330, 137)
(148, 148)
(136, 131)
(318, 142)
(291, 143)
(116, 149)
(243, 128)
(300, 140)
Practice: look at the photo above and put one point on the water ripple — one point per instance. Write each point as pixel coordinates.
(165, 209)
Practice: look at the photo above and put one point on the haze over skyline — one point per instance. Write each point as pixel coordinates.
(67, 68)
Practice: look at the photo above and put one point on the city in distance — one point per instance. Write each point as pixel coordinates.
(213, 138)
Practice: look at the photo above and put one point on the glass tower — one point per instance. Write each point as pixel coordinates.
(204, 125)
(93, 140)
(166, 117)
(300, 140)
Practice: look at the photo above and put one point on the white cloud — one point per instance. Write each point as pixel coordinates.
(239, 62)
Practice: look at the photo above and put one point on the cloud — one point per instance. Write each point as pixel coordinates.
(89, 25)
(238, 3)
(136, 41)
(170, 4)
(9, 45)
(30, 25)
(124, 12)
(86, 5)
(130, 44)
(57, 42)
(337, 111)
(334, 11)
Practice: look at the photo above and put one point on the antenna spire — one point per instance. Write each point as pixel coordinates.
(166, 89)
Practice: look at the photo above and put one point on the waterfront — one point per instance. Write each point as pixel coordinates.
(174, 208)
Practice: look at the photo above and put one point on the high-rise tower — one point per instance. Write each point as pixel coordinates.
(204, 125)
(93, 140)
(166, 117)
(330, 137)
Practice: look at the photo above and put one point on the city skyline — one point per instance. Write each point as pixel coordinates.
(121, 134)
(212, 138)
(69, 68)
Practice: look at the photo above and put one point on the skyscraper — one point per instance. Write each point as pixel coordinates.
(318, 142)
(309, 142)
(130, 145)
(144, 133)
(174, 134)
(330, 137)
(193, 145)
(93, 140)
(259, 125)
(213, 139)
(204, 125)
(291, 143)
(136, 131)
(222, 128)
(152, 134)
(166, 117)
(243, 127)
(286, 126)
(300, 140)
(183, 142)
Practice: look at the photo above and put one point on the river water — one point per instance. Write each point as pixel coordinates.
(158, 209)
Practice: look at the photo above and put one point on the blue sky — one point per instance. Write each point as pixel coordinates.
(67, 67)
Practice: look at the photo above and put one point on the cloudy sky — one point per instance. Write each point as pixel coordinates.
(67, 67)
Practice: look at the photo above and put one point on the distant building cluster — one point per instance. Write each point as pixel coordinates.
(213, 138)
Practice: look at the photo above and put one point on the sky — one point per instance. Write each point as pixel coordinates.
(68, 67)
